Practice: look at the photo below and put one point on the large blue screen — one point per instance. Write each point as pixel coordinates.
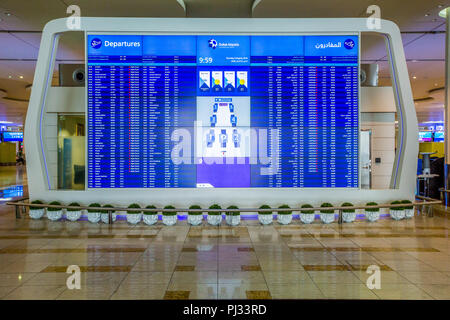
(176, 111)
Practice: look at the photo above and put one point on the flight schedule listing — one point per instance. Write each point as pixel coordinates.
(207, 111)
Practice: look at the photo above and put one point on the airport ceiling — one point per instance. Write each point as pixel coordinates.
(423, 33)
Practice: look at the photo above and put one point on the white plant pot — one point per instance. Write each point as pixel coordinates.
(233, 220)
(195, 220)
(284, 218)
(265, 219)
(36, 213)
(150, 219)
(307, 218)
(73, 215)
(349, 216)
(372, 216)
(397, 214)
(54, 215)
(169, 220)
(327, 217)
(104, 217)
(94, 217)
(409, 213)
(214, 219)
(134, 218)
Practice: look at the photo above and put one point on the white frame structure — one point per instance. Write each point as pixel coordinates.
(403, 180)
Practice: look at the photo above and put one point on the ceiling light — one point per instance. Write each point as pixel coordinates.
(8, 14)
(443, 13)
(414, 77)
(439, 5)
(427, 14)
(9, 77)
(21, 77)
(5, 122)
(435, 84)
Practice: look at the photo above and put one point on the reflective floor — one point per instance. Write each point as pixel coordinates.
(13, 182)
(249, 261)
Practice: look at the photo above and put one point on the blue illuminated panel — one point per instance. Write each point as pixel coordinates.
(12, 136)
(210, 95)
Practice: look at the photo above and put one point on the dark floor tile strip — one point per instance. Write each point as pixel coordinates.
(326, 268)
(176, 295)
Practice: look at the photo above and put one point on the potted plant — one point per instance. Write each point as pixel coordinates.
(150, 217)
(214, 218)
(36, 212)
(284, 216)
(134, 216)
(265, 217)
(348, 215)
(54, 214)
(233, 218)
(372, 214)
(73, 214)
(195, 217)
(104, 216)
(307, 216)
(397, 213)
(94, 215)
(409, 210)
(326, 215)
(169, 218)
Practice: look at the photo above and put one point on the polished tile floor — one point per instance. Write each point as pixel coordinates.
(248, 262)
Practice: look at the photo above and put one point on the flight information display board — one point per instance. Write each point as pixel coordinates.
(186, 111)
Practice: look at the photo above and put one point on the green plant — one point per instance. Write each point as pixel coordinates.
(347, 204)
(150, 212)
(169, 213)
(106, 206)
(73, 204)
(36, 202)
(372, 209)
(54, 203)
(233, 213)
(407, 202)
(265, 206)
(307, 211)
(215, 206)
(195, 213)
(397, 208)
(326, 205)
(284, 206)
(94, 205)
(133, 206)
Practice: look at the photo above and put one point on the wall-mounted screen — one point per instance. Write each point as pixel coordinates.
(199, 111)
(12, 136)
(425, 136)
(438, 136)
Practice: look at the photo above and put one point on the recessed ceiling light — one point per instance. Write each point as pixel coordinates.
(414, 77)
(435, 84)
(9, 77)
(21, 77)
